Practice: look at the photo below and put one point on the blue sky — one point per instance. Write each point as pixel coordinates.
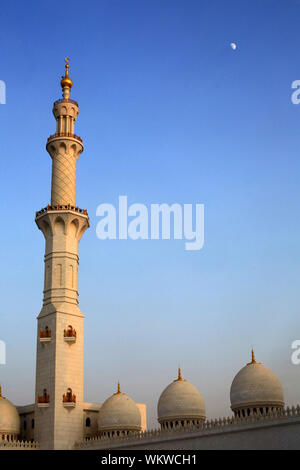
(168, 113)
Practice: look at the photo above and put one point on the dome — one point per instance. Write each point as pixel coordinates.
(9, 417)
(256, 386)
(119, 413)
(66, 82)
(181, 401)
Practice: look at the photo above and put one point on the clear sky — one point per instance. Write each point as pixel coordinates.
(169, 112)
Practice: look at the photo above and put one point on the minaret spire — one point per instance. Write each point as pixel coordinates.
(64, 146)
(66, 82)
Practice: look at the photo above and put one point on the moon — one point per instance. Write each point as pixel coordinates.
(233, 45)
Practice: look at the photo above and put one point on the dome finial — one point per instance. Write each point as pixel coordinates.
(67, 60)
(179, 379)
(119, 388)
(253, 361)
(66, 82)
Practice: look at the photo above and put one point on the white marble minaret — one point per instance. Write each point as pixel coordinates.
(59, 365)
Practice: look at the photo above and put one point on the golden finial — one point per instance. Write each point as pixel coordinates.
(119, 389)
(66, 81)
(253, 361)
(67, 60)
(179, 379)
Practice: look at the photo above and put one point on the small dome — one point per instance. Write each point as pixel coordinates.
(66, 81)
(256, 386)
(9, 417)
(180, 401)
(119, 413)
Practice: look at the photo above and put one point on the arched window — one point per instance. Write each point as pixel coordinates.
(70, 332)
(88, 422)
(32, 424)
(25, 425)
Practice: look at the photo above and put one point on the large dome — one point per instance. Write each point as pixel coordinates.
(9, 417)
(119, 413)
(180, 403)
(256, 386)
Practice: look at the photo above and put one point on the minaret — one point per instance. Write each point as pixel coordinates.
(59, 366)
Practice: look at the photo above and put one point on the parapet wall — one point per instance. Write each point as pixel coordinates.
(19, 445)
(277, 430)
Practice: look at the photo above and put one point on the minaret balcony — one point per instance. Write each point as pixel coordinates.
(64, 134)
(69, 399)
(63, 207)
(43, 405)
(70, 335)
(68, 404)
(43, 400)
(45, 335)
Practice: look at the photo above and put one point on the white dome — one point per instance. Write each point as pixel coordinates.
(9, 417)
(256, 385)
(180, 401)
(119, 413)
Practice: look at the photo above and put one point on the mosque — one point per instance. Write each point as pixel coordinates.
(60, 418)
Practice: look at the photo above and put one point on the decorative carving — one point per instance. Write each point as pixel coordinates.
(19, 444)
(63, 207)
(64, 134)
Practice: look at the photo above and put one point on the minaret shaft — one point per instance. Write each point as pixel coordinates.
(62, 230)
(64, 148)
(59, 369)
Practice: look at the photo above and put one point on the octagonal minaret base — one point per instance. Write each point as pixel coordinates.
(59, 365)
